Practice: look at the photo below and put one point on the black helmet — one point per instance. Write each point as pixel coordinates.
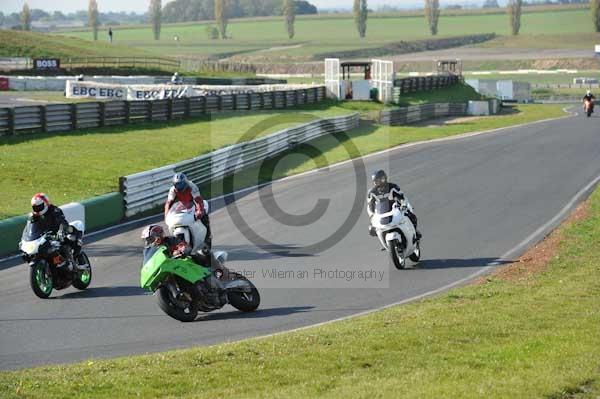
(379, 179)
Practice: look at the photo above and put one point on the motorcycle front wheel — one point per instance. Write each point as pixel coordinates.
(396, 255)
(84, 276)
(183, 307)
(40, 279)
(245, 301)
(416, 255)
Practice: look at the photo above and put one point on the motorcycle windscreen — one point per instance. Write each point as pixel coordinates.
(32, 231)
(158, 266)
(384, 205)
(182, 207)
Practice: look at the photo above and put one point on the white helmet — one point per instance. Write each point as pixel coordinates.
(40, 203)
(589, 92)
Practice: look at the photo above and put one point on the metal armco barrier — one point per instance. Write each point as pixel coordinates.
(147, 190)
(417, 113)
(65, 117)
(422, 83)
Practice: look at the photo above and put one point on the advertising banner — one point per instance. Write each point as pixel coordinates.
(125, 92)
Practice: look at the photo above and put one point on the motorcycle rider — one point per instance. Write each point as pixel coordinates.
(381, 189)
(154, 235)
(185, 191)
(51, 219)
(176, 79)
(589, 97)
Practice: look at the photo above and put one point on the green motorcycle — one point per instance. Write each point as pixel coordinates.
(183, 288)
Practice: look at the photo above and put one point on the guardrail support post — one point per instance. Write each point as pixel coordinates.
(170, 109)
(102, 114)
(11, 121)
(234, 100)
(187, 111)
(73, 112)
(249, 100)
(127, 111)
(43, 121)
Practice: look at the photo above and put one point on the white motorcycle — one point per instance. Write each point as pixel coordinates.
(182, 224)
(396, 231)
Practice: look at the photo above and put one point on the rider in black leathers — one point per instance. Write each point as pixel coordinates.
(382, 188)
(51, 219)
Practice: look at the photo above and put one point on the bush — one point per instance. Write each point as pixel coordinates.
(212, 32)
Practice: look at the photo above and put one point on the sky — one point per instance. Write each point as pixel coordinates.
(9, 6)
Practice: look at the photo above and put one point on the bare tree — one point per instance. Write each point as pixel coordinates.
(26, 17)
(221, 17)
(289, 13)
(155, 12)
(514, 13)
(432, 12)
(360, 16)
(93, 21)
(595, 5)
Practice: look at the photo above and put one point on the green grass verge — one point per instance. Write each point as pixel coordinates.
(108, 153)
(455, 94)
(537, 337)
(250, 38)
(33, 44)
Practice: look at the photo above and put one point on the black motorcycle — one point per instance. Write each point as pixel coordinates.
(52, 262)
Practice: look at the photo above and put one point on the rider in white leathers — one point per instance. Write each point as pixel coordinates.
(383, 189)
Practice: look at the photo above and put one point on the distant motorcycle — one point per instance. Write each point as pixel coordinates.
(588, 107)
(183, 288)
(182, 224)
(51, 266)
(396, 232)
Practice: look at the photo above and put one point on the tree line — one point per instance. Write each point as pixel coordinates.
(222, 10)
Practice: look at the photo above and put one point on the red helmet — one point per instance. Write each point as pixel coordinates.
(40, 204)
(153, 234)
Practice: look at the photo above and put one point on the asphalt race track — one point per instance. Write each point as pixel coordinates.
(478, 199)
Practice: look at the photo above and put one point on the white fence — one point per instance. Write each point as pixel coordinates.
(148, 190)
(383, 79)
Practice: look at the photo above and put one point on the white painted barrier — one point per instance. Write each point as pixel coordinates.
(478, 108)
(74, 211)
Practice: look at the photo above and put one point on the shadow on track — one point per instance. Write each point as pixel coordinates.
(260, 313)
(451, 263)
(105, 292)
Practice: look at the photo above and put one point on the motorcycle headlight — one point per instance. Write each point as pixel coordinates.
(28, 247)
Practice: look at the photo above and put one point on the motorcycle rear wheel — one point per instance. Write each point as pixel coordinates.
(182, 309)
(40, 279)
(245, 301)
